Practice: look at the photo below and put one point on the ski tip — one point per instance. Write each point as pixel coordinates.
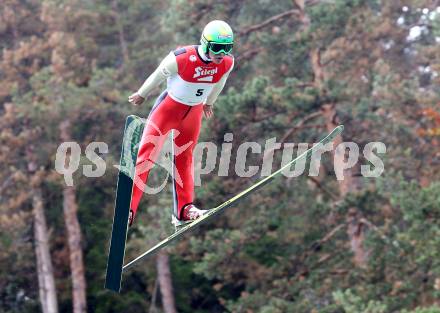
(338, 129)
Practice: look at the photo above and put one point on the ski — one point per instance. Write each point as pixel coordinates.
(215, 211)
(132, 135)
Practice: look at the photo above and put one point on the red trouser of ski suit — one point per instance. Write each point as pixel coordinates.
(166, 115)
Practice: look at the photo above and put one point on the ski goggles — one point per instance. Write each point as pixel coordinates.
(217, 48)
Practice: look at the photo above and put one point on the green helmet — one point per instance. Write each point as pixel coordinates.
(217, 36)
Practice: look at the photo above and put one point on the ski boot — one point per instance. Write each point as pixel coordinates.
(190, 214)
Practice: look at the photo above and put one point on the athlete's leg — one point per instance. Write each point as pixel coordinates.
(159, 123)
(188, 135)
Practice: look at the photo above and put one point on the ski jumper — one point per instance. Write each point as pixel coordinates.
(192, 81)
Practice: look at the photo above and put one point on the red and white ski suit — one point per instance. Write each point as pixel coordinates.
(192, 83)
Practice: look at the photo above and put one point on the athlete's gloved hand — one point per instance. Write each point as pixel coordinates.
(136, 99)
(208, 110)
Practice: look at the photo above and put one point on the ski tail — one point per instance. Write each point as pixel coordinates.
(132, 134)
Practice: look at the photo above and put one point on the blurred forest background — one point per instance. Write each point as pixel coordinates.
(306, 244)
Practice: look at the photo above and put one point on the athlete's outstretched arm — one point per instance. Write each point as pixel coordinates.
(166, 68)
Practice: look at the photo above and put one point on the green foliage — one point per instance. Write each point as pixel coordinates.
(355, 304)
(287, 247)
(432, 309)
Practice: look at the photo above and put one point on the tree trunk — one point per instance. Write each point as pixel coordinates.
(120, 27)
(46, 281)
(75, 251)
(349, 183)
(356, 229)
(165, 282)
(70, 209)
